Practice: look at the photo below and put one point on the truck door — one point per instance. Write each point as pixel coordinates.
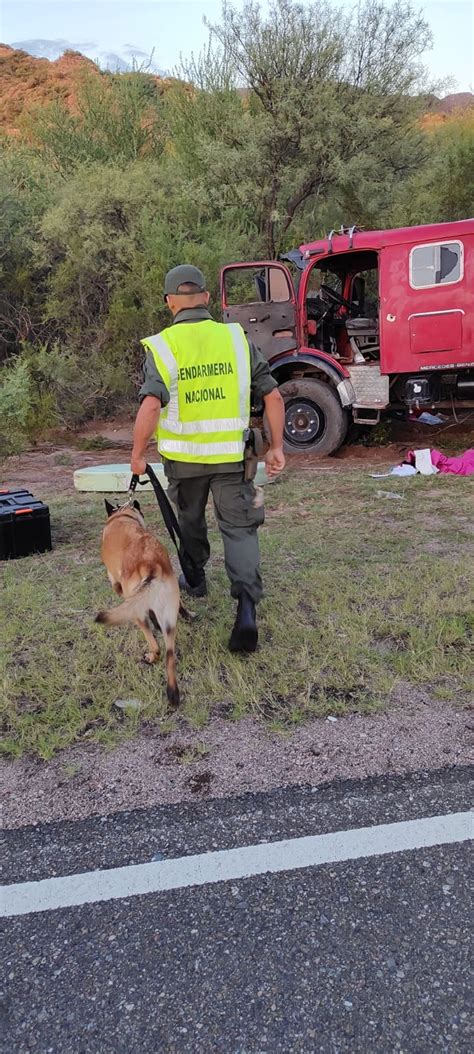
(261, 296)
(423, 297)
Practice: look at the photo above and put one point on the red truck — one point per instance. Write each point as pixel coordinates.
(360, 322)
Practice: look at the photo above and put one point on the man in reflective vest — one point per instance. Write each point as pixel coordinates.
(199, 378)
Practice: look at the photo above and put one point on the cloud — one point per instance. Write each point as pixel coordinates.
(125, 59)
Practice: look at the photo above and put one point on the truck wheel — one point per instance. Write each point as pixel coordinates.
(315, 421)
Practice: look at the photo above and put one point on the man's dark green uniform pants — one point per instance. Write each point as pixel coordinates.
(238, 520)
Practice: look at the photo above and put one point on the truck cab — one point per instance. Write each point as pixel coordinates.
(359, 322)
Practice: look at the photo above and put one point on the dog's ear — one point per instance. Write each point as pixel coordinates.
(110, 508)
(136, 505)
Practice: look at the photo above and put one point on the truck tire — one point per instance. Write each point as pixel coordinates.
(315, 421)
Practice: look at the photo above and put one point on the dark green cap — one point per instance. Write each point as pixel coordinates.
(181, 276)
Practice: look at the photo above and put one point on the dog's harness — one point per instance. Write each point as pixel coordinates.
(192, 573)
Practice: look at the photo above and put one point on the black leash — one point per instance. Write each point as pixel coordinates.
(192, 574)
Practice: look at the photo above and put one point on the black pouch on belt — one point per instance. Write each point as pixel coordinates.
(253, 449)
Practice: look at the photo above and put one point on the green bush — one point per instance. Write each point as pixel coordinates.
(71, 389)
(16, 404)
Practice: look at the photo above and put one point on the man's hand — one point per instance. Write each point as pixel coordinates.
(275, 413)
(274, 461)
(138, 465)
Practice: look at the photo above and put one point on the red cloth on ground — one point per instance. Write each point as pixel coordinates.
(463, 465)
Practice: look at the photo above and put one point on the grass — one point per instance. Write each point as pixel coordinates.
(362, 594)
(94, 443)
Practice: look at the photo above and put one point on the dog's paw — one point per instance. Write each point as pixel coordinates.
(173, 697)
(150, 657)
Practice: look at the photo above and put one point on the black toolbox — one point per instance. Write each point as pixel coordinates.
(24, 525)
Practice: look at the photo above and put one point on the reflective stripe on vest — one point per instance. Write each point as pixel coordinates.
(200, 365)
(177, 446)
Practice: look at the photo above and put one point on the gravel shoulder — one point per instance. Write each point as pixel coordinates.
(226, 758)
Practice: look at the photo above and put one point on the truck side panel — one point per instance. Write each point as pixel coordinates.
(427, 305)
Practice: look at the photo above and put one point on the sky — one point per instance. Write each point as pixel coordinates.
(175, 27)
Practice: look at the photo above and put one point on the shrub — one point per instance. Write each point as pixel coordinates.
(16, 403)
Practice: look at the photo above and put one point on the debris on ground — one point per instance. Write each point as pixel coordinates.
(428, 462)
(421, 459)
(128, 704)
(426, 418)
(462, 465)
(397, 470)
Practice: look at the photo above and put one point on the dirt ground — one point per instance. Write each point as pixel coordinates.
(49, 467)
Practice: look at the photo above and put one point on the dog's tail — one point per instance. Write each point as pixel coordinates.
(156, 603)
(132, 608)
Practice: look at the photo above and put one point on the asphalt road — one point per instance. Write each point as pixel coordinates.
(363, 955)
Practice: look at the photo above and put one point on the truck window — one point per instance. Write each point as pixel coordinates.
(256, 285)
(440, 264)
(245, 286)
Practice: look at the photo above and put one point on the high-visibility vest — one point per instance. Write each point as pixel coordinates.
(206, 368)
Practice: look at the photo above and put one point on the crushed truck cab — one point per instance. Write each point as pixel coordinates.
(359, 322)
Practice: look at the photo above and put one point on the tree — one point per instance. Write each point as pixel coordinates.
(442, 189)
(453, 182)
(118, 118)
(26, 189)
(311, 99)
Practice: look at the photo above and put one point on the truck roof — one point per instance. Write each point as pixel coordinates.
(377, 239)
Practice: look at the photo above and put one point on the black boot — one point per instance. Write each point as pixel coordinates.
(244, 636)
(193, 591)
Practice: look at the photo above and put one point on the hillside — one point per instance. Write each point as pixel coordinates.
(440, 111)
(26, 81)
(462, 100)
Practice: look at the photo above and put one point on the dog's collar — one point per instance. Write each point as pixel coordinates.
(127, 503)
(124, 511)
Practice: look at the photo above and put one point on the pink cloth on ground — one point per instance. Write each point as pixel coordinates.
(463, 465)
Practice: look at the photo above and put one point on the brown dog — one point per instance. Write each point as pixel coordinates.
(139, 569)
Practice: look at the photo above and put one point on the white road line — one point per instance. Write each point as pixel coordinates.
(244, 862)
